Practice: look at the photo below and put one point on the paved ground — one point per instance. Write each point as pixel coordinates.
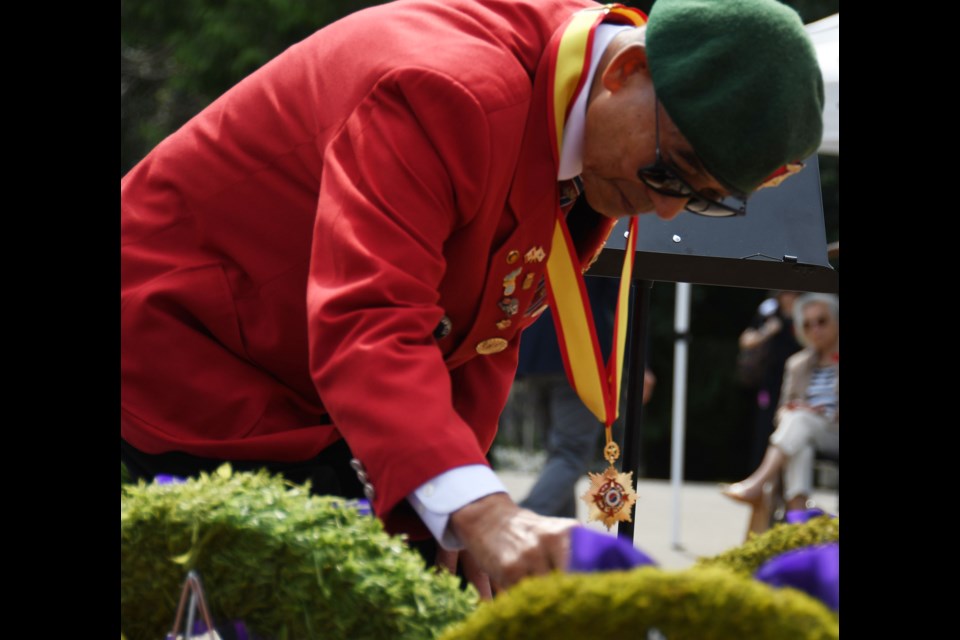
(709, 522)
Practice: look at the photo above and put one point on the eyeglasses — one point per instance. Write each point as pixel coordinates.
(822, 321)
(663, 179)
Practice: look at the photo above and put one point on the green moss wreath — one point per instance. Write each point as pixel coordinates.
(693, 604)
(716, 599)
(294, 566)
(749, 556)
(288, 564)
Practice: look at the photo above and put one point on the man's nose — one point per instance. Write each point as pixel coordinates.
(668, 208)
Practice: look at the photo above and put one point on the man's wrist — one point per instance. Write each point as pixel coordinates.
(474, 515)
(438, 498)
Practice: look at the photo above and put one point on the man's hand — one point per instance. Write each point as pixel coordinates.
(509, 543)
(471, 571)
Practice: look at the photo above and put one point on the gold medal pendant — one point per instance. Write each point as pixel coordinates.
(611, 493)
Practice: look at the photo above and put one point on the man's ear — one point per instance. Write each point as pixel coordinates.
(628, 61)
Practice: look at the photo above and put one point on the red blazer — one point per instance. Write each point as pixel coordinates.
(288, 254)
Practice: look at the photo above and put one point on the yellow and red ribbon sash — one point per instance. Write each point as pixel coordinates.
(598, 386)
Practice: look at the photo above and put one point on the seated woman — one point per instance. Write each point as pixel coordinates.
(808, 417)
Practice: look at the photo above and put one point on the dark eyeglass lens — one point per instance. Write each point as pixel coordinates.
(665, 183)
(707, 208)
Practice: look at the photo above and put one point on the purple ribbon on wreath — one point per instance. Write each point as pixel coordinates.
(799, 516)
(594, 551)
(165, 478)
(814, 570)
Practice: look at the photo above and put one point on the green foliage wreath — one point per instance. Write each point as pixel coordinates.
(288, 564)
(716, 599)
(693, 604)
(749, 556)
(291, 565)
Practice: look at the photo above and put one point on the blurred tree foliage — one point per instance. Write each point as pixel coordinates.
(176, 56)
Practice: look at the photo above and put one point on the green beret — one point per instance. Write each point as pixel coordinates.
(741, 81)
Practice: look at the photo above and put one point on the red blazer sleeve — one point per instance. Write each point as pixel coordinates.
(395, 185)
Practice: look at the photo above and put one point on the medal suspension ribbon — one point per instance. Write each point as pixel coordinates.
(611, 494)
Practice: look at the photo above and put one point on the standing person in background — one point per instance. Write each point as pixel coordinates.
(764, 348)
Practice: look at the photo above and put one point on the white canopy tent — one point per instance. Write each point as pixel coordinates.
(826, 39)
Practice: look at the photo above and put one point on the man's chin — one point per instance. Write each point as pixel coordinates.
(615, 211)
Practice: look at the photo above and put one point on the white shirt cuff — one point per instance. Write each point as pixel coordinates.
(440, 496)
